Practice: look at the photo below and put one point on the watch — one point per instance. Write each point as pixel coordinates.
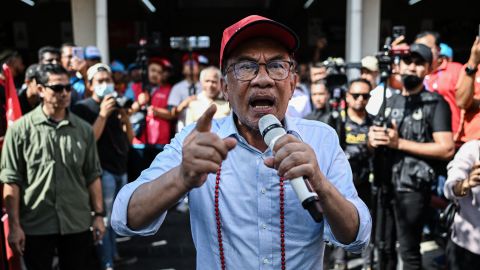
(100, 214)
(470, 70)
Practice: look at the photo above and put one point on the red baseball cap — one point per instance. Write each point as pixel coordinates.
(186, 57)
(256, 26)
(164, 62)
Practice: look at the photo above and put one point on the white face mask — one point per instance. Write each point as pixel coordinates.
(101, 90)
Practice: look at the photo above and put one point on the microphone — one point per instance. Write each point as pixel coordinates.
(271, 130)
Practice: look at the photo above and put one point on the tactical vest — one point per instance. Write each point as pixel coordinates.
(414, 117)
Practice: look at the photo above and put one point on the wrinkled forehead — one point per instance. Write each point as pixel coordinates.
(256, 48)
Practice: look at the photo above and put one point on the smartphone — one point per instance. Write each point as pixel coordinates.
(78, 52)
(398, 30)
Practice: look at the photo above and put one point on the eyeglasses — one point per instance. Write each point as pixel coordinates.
(356, 96)
(58, 88)
(247, 70)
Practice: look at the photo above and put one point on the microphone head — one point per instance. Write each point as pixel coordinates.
(270, 128)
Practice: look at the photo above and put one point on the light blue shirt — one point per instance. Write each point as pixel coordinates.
(249, 203)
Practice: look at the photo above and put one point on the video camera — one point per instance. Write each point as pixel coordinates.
(392, 54)
(336, 79)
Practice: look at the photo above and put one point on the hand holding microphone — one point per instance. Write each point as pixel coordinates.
(294, 160)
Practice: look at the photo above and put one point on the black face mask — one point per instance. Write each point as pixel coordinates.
(410, 82)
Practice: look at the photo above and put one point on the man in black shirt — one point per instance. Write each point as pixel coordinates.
(28, 96)
(357, 123)
(419, 137)
(113, 133)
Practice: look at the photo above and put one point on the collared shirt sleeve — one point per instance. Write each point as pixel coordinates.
(459, 168)
(175, 98)
(169, 158)
(341, 178)
(13, 165)
(91, 168)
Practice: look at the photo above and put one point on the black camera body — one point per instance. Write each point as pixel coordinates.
(122, 102)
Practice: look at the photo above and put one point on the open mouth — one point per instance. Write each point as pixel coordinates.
(261, 102)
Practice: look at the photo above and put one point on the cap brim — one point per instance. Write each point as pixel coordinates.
(418, 54)
(266, 29)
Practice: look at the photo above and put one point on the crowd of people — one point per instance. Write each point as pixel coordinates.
(89, 128)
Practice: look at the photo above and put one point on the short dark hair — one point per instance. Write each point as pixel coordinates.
(435, 34)
(7, 55)
(31, 73)
(44, 72)
(67, 44)
(47, 49)
(360, 80)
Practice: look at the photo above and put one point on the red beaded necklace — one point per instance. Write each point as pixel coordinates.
(219, 224)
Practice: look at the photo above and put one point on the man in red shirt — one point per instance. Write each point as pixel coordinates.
(156, 117)
(468, 96)
(443, 79)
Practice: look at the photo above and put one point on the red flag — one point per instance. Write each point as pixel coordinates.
(13, 112)
(12, 105)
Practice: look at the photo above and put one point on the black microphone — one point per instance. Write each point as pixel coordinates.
(271, 130)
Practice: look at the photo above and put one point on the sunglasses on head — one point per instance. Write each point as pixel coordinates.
(58, 88)
(356, 96)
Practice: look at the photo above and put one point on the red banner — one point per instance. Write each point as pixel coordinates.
(13, 112)
(12, 105)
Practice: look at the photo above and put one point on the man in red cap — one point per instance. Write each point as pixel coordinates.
(244, 212)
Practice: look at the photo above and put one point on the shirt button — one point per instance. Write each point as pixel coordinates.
(265, 261)
(264, 226)
(263, 190)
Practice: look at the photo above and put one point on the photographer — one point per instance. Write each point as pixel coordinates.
(150, 117)
(113, 134)
(420, 135)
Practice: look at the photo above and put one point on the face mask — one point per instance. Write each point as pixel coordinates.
(411, 81)
(101, 90)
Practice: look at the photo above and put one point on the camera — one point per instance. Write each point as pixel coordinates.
(336, 78)
(122, 102)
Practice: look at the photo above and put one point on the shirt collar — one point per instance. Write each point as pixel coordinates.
(39, 117)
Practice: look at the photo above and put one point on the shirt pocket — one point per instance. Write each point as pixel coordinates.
(73, 150)
(299, 225)
(37, 150)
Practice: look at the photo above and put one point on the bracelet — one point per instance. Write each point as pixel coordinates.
(464, 187)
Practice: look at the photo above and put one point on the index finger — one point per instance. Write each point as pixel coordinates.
(283, 140)
(204, 123)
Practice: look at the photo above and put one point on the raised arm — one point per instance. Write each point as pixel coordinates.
(465, 85)
(202, 153)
